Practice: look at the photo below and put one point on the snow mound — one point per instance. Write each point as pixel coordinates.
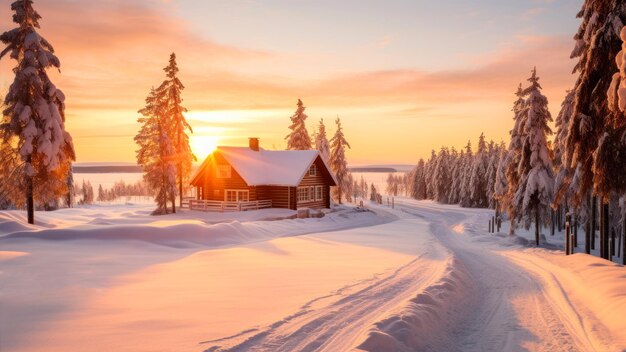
(424, 323)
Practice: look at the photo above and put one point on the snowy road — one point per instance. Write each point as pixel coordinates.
(421, 277)
(517, 302)
(482, 293)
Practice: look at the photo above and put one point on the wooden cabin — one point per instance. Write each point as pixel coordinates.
(289, 179)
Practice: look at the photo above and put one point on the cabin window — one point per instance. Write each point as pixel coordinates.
(236, 195)
(303, 194)
(313, 170)
(223, 171)
(306, 194)
(319, 192)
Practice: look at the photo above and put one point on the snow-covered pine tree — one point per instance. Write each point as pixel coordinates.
(513, 155)
(536, 187)
(298, 138)
(321, 141)
(465, 193)
(562, 170)
(428, 175)
(478, 177)
(492, 170)
(457, 179)
(156, 153)
(610, 155)
(441, 176)
(363, 187)
(101, 195)
(169, 94)
(338, 163)
(597, 40)
(419, 181)
(35, 111)
(500, 188)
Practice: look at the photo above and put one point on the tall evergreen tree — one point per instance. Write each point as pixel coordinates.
(563, 172)
(597, 42)
(169, 94)
(441, 176)
(478, 177)
(465, 192)
(35, 112)
(156, 153)
(419, 180)
(492, 170)
(299, 138)
(514, 155)
(338, 162)
(534, 193)
(321, 141)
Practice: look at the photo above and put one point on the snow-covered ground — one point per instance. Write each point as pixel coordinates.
(422, 276)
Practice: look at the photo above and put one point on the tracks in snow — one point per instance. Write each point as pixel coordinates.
(473, 300)
(338, 321)
(513, 309)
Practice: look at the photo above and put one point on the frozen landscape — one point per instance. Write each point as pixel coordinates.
(278, 176)
(420, 277)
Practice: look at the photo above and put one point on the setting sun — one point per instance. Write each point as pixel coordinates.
(202, 146)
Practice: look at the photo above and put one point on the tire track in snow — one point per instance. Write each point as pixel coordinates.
(340, 324)
(514, 309)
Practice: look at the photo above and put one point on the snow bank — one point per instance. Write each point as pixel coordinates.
(594, 287)
(181, 231)
(426, 322)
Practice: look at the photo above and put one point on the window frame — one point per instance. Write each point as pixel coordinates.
(319, 193)
(223, 171)
(313, 170)
(240, 195)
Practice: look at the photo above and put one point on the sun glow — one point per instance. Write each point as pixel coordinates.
(202, 146)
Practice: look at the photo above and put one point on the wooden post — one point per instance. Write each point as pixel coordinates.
(576, 230)
(594, 208)
(567, 234)
(624, 242)
(537, 225)
(612, 247)
(604, 237)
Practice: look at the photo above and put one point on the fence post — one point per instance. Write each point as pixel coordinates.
(393, 203)
(567, 234)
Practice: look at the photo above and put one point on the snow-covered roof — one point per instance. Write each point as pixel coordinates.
(270, 167)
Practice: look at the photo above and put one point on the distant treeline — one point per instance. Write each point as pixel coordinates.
(106, 169)
(373, 169)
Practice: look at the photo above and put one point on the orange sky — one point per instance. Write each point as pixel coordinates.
(112, 52)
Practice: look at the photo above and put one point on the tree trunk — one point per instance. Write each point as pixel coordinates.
(180, 184)
(552, 224)
(537, 225)
(594, 207)
(30, 201)
(173, 203)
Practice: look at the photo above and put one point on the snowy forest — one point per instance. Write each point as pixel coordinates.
(543, 176)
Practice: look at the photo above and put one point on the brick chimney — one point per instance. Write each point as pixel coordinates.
(254, 143)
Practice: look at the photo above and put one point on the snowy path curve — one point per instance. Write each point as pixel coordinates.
(513, 309)
(474, 297)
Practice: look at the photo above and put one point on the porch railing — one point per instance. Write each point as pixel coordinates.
(218, 206)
